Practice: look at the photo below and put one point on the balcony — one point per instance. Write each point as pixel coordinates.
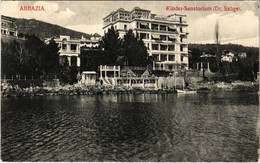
(109, 68)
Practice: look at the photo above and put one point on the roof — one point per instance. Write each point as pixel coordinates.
(89, 72)
(160, 73)
(8, 18)
(206, 55)
(97, 35)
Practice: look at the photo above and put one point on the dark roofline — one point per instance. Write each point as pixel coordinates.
(8, 18)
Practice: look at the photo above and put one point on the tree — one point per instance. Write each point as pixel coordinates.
(30, 57)
(48, 58)
(9, 59)
(135, 52)
(246, 69)
(112, 45)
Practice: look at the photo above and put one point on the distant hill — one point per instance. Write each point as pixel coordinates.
(45, 30)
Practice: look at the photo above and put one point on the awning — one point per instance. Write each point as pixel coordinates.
(145, 24)
(156, 36)
(172, 37)
(172, 27)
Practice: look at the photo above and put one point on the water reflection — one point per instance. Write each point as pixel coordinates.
(127, 127)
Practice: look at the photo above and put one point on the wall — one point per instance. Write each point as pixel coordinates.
(169, 82)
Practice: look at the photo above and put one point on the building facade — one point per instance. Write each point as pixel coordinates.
(70, 48)
(8, 27)
(164, 36)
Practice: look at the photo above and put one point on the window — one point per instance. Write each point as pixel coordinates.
(163, 57)
(180, 19)
(182, 58)
(163, 37)
(143, 36)
(125, 27)
(73, 47)
(171, 48)
(11, 33)
(155, 27)
(162, 27)
(163, 47)
(73, 61)
(181, 48)
(64, 46)
(144, 25)
(171, 57)
(156, 57)
(115, 27)
(155, 47)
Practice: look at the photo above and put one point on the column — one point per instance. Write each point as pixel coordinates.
(100, 71)
(201, 68)
(83, 78)
(78, 61)
(208, 65)
(130, 82)
(197, 66)
(105, 71)
(69, 60)
(114, 69)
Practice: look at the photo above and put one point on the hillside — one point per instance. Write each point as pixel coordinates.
(45, 30)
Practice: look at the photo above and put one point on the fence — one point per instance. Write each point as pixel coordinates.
(5, 78)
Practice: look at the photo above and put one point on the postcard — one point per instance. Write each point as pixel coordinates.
(130, 81)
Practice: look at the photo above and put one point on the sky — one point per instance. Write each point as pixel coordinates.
(241, 27)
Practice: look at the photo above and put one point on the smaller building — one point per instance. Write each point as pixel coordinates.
(9, 30)
(132, 77)
(8, 27)
(242, 55)
(227, 56)
(92, 42)
(70, 48)
(88, 77)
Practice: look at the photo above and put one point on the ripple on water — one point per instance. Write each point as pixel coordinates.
(202, 127)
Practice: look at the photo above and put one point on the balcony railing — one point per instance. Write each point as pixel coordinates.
(109, 68)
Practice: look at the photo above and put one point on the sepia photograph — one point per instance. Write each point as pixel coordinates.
(130, 81)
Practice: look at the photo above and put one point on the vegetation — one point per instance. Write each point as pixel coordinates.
(239, 68)
(128, 51)
(135, 52)
(112, 45)
(33, 57)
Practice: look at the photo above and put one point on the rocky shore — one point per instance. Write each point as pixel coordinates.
(9, 90)
(223, 86)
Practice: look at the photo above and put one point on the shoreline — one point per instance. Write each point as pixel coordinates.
(9, 90)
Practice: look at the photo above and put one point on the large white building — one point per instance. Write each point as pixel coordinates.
(164, 36)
